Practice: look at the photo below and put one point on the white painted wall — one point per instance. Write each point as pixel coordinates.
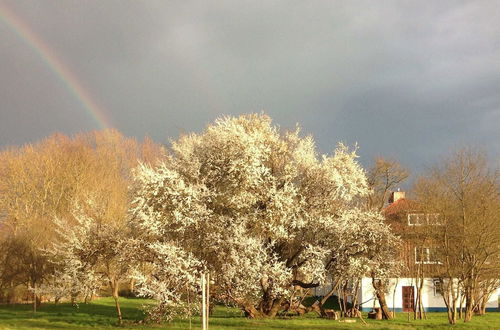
(430, 298)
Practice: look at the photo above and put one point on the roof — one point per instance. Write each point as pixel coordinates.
(399, 206)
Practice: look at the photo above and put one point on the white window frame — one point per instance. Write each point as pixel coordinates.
(420, 217)
(425, 219)
(426, 256)
(438, 287)
(438, 220)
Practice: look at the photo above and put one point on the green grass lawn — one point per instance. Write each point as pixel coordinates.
(101, 314)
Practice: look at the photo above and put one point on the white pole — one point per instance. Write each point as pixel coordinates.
(204, 310)
(208, 299)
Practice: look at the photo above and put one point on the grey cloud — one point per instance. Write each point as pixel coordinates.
(407, 79)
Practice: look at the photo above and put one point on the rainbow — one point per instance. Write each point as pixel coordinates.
(60, 69)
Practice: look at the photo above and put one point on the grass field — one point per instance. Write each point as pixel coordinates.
(101, 314)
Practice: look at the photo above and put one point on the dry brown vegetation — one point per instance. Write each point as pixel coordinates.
(465, 192)
(45, 180)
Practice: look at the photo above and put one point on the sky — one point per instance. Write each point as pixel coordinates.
(408, 80)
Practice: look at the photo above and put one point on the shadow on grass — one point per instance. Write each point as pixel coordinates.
(99, 313)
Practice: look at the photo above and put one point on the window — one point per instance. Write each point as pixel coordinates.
(416, 219)
(434, 219)
(426, 255)
(419, 219)
(438, 287)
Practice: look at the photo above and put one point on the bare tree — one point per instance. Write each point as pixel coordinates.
(464, 191)
(383, 177)
(44, 180)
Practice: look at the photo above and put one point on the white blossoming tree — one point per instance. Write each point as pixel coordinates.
(168, 274)
(75, 262)
(257, 208)
(91, 251)
(365, 246)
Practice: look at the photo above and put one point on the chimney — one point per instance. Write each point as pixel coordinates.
(396, 195)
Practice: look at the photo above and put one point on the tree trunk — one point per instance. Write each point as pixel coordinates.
(468, 307)
(34, 297)
(276, 307)
(394, 298)
(386, 314)
(419, 310)
(319, 308)
(256, 313)
(453, 319)
(340, 303)
(113, 283)
(461, 307)
(266, 309)
(380, 293)
(452, 313)
(251, 312)
(453, 295)
(118, 310)
(354, 310)
(484, 302)
(37, 299)
(131, 285)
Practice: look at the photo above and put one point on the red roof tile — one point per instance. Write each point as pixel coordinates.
(401, 205)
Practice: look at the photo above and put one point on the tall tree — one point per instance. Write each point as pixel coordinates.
(383, 177)
(91, 253)
(257, 208)
(44, 180)
(464, 190)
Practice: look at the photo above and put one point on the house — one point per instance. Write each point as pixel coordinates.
(421, 258)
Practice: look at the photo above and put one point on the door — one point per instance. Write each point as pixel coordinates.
(408, 298)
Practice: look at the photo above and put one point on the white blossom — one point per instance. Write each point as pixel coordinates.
(258, 209)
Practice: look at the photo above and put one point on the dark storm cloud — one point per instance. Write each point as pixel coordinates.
(404, 79)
